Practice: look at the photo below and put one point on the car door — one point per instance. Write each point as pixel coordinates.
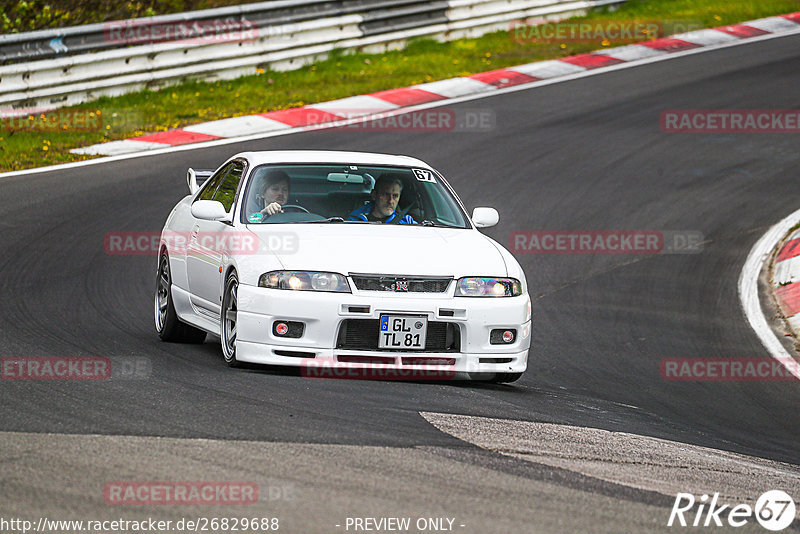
(208, 241)
(184, 225)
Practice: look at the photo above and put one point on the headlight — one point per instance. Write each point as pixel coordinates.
(488, 287)
(304, 281)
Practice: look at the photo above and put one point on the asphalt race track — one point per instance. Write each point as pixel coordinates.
(586, 154)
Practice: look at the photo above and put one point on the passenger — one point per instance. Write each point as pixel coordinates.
(383, 207)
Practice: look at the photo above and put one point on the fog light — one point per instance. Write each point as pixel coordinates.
(288, 329)
(502, 336)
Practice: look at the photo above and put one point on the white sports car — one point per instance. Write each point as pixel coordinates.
(342, 263)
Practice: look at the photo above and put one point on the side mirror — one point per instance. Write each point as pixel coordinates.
(209, 210)
(485, 217)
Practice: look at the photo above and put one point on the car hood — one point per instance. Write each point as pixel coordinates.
(382, 249)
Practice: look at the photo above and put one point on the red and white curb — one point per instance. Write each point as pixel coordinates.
(783, 271)
(393, 99)
(786, 280)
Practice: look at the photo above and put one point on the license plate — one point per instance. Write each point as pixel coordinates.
(402, 332)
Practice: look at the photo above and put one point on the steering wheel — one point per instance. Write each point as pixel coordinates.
(295, 207)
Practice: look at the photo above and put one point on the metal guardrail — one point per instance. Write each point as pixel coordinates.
(52, 68)
(48, 44)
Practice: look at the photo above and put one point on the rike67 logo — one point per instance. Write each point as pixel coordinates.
(774, 510)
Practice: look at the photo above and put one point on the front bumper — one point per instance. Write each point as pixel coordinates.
(323, 314)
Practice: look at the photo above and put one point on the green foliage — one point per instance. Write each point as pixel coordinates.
(29, 15)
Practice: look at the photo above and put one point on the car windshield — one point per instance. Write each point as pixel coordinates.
(344, 194)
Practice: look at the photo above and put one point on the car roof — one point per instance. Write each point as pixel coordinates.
(329, 156)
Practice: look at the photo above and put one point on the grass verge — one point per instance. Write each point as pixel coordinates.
(46, 140)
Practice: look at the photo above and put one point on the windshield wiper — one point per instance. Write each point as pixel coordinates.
(438, 225)
(333, 220)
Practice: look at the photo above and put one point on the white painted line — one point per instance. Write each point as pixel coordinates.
(113, 148)
(748, 291)
(237, 126)
(706, 37)
(631, 52)
(455, 87)
(548, 69)
(794, 322)
(583, 73)
(355, 106)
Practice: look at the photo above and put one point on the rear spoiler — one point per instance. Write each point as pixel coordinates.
(197, 177)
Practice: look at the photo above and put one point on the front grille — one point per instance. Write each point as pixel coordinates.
(428, 361)
(350, 358)
(362, 334)
(401, 284)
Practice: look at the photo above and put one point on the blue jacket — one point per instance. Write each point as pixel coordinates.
(361, 213)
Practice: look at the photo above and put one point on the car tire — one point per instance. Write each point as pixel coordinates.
(168, 325)
(228, 320)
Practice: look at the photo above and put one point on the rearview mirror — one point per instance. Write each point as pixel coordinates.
(345, 178)
(210, 210)
(485, 217)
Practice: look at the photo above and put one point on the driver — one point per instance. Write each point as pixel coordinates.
(383, 207)
(274, 192)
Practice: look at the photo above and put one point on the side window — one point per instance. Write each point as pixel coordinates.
(211, 185)
(226, 192)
